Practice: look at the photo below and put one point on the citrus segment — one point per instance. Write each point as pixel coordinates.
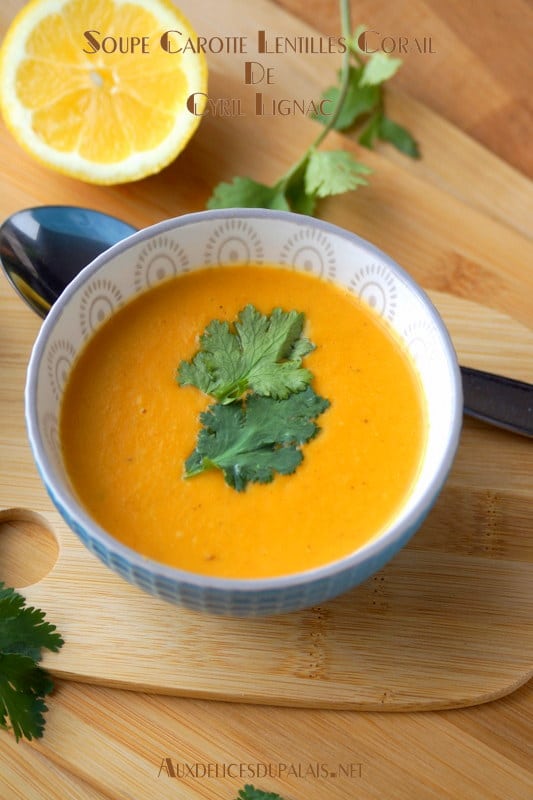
(96, 14)
(114, 113)
(145, 124)
(40, 83)
(53, 29)
(94, 144)
(60, 123)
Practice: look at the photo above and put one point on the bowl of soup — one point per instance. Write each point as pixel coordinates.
(244, 412)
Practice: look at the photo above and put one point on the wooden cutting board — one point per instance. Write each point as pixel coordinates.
(446, 624)
(103, 743)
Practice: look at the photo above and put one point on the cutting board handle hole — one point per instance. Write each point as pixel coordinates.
(28, 547)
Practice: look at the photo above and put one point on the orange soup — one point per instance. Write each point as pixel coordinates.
(127, 428)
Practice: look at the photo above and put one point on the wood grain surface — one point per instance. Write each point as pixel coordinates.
(116, 743)
(458, 221)
(415, 636)
(479, 73)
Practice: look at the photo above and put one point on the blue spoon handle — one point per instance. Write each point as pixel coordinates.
(504, 402)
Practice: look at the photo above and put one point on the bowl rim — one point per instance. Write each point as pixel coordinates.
(67, 502)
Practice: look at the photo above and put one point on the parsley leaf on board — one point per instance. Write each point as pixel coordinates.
(251, 793)
(261, 353)
(23, 684)
(252, 440)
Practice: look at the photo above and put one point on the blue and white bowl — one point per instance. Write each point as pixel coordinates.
(244, 235)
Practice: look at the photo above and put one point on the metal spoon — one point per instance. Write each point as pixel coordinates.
(42, 249)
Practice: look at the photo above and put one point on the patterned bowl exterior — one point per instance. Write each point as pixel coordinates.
(210, 239)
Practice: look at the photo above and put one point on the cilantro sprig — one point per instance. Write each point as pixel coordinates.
(363, 108)
(358, 101)
(252, 441)
(23, 684)
(262, 353)
(315, 175)
(251, 793)
(266, 408)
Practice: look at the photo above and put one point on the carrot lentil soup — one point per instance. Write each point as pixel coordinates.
(127, 429)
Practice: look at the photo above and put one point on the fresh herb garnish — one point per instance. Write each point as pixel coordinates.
(23, 684)
(251, 793)
(364, 102)
(315, 175)
(318, 174)
(253, 439)
(358, 99)
(266, 408)
(261, 353)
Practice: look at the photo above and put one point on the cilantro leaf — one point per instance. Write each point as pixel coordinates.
(371, 132)
(300, 201)
(251, 793)
(379, 68)
(298, 198)
(247, 193)
(262, 353)
(334, 172)
(363, 104)
(358, 100)
(288, 194)
(22, 687)
(252, 441)
(23, 630)
(23, 684)
(398, 136)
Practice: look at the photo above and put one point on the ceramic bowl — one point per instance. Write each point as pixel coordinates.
(241, 236)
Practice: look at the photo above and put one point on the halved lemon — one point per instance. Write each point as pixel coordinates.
(89, 88)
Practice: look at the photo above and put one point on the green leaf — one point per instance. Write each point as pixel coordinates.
(358, 100)
(262, 353)
(334, 172)
(402, 140)
(379, 68)
(247, 193)
(295, 192)
(331, 94)
(251, 793)
(24, 630)
(371, 131)
(301, 202)
(251, 442)
(23, 684)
